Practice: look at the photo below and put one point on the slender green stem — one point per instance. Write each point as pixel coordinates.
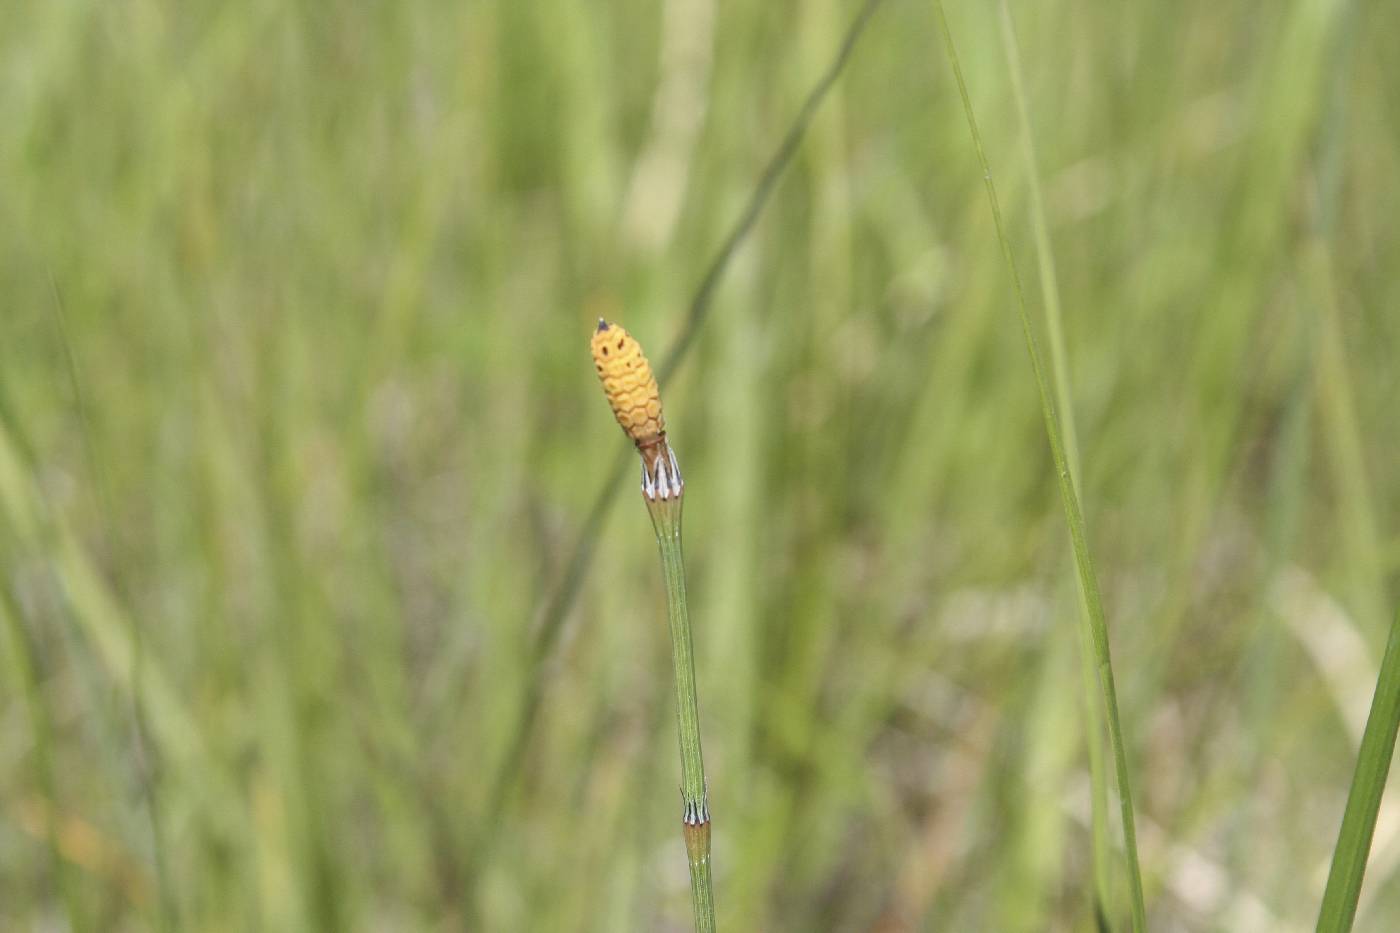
(1364, 800)
(666, 517)
(665, 512)
(1059, 370)
(1088, 580)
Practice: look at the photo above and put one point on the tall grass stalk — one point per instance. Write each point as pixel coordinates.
(1088, 581)
(1364, 800)
(1059, 370)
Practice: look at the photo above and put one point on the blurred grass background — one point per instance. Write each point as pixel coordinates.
(298, 431)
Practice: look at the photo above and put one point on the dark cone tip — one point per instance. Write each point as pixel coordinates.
(602, 325)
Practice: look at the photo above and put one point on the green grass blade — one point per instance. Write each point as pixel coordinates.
(1364, 799)
(1059, 369)
(1088, 580)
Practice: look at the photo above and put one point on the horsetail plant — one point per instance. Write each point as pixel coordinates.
(631, 390)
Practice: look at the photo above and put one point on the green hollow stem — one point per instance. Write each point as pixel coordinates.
(1364, 799)
(1059, 369)
(666, 520)
(1074, 517)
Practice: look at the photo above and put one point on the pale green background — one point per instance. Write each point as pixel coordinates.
(294, 386)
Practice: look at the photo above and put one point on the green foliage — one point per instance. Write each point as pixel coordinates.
(1364, 802)
(279, 554)
(1093, 640)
